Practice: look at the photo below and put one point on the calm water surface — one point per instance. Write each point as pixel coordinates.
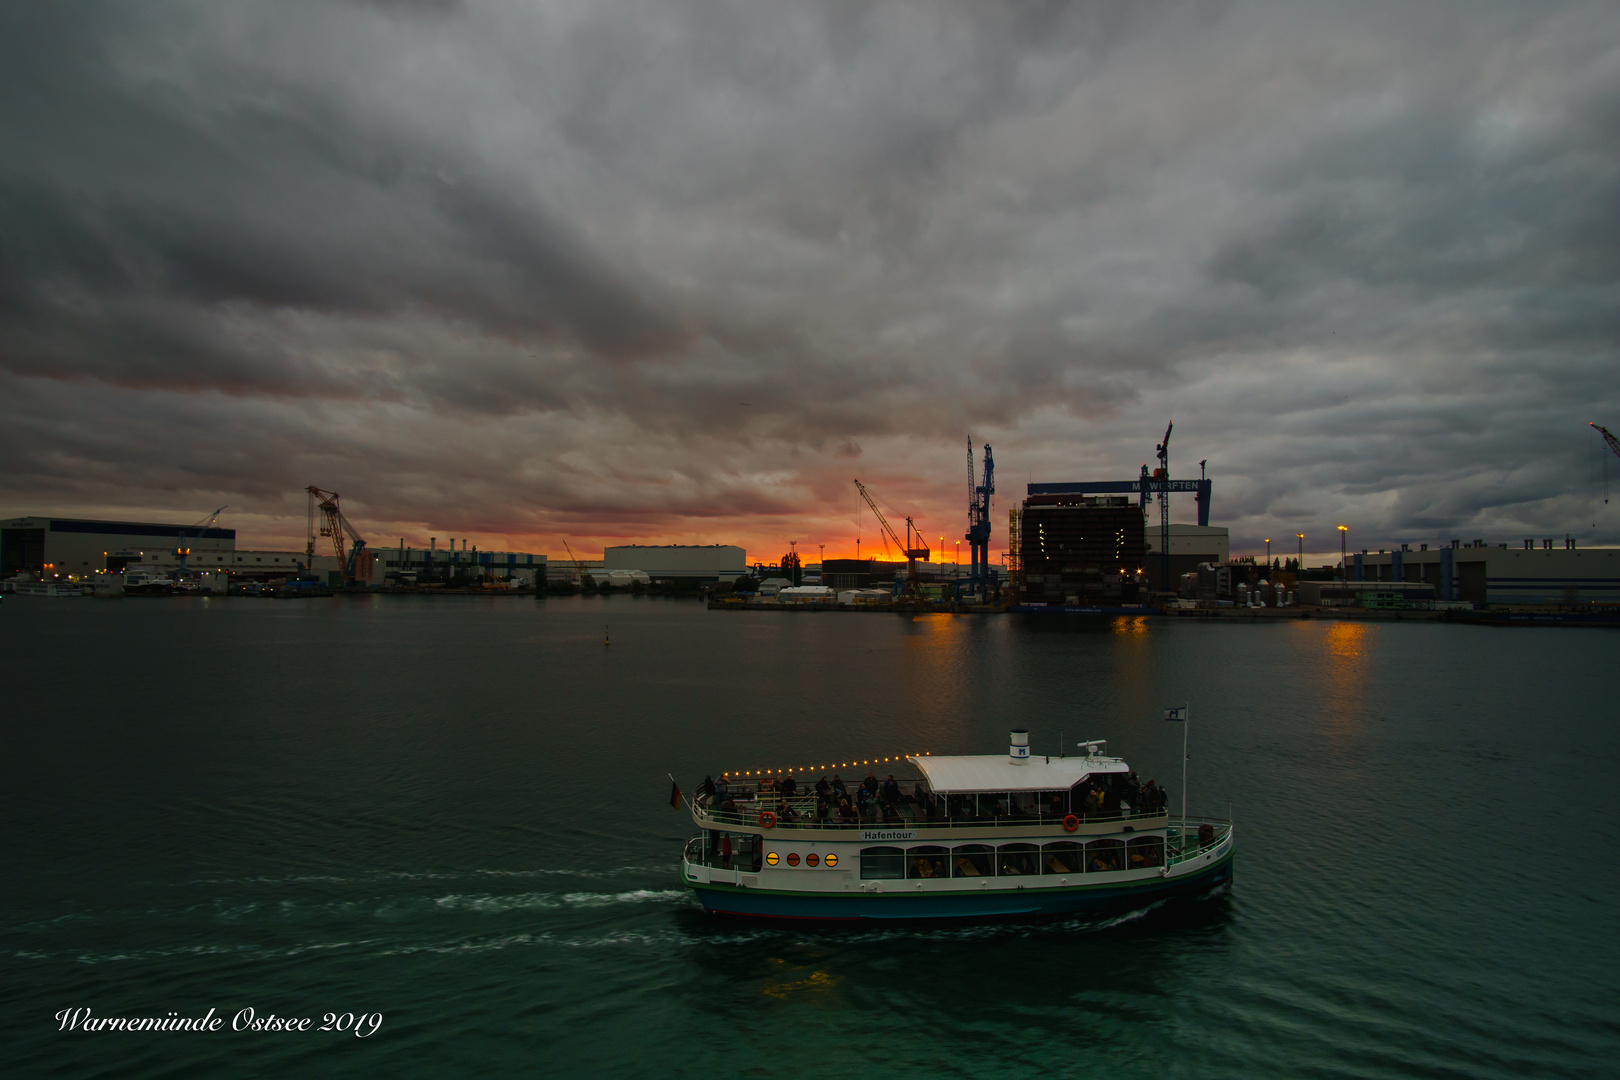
(453, 812)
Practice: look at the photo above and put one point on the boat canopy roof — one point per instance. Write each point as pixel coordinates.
(996, 772)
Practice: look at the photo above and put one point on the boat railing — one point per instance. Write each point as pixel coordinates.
(1188, 839)
(749, 812)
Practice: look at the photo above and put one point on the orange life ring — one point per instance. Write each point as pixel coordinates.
(767, 820)
(1071, 823)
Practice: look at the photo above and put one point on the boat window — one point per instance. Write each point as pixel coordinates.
(1144, 851)
(1014, 860)
(925, 862)
(1104, 855)
(1061, 857)
(883, 863)
(970, 860)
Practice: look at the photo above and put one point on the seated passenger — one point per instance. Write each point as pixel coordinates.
(785, 813)
(846, 813)
(870, 784)
(838, 785)
(823, 788)
(891, 790)
(822, 816)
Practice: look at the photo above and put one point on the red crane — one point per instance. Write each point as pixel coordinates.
(355, 561)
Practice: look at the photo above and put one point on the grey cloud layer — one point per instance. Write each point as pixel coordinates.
(518, 268)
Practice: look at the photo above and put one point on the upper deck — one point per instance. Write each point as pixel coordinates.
(1095, 796)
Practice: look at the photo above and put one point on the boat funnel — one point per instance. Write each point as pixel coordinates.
(1018, 746)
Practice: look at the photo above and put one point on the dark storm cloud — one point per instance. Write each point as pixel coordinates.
(675, 271)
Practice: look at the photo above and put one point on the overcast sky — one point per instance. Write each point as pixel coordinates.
(677, 272)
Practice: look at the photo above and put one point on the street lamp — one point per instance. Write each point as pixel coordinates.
(1268, 555)
(1344, 569)
(1301, 566)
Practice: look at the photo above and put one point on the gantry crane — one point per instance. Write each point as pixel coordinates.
(913, 552)
(353, 559)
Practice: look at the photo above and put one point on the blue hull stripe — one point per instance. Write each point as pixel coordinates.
(1028, 903)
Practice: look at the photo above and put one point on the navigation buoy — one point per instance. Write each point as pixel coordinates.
(606, 640)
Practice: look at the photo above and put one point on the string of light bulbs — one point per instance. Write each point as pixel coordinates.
(822, 768)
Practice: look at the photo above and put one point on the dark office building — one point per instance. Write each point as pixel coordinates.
(1081, 549)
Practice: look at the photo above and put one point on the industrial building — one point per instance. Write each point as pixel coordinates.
(1537, 573)
(1190, 546)
(707, 562)
(1075, 549)
(406, 565)
(74, 547)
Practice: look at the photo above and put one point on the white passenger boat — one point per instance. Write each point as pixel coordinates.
(963, 838)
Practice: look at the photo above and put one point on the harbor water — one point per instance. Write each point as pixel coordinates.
(454, 812)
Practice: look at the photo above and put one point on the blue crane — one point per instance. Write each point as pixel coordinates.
(978, 534)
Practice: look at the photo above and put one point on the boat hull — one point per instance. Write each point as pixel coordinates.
(959, 905)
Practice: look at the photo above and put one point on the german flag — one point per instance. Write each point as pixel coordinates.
(674, 794)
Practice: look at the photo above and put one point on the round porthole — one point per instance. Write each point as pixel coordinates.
(793, 858)
(772, 857)
(810, 859)
(832, 860)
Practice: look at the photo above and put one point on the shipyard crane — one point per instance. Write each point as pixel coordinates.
(1162, 474)
(913, 552)
(183, 551)
(335, 526)
(978, 534)
(1614, 444)
(579, 567)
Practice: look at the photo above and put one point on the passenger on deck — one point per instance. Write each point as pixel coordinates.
(785, 814)
(846, 813)
(823, 788)
(721, 791)
(838, 785)
(891, 791)
(822, 816)
(790, 787)
(1161, 798)
(863, 801)
(870, 784)
(707, 787)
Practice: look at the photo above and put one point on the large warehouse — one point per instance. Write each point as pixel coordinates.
(72, 547)
(1536, 573)
(708, 562)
